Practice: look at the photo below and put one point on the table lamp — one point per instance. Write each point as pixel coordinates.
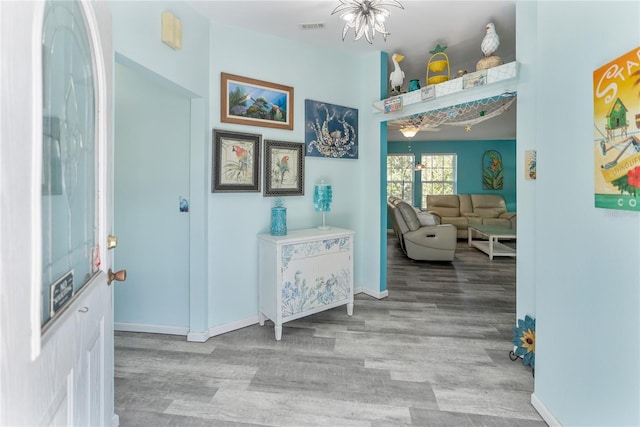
(322, 197)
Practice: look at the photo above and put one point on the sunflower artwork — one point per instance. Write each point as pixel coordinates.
(524, 338)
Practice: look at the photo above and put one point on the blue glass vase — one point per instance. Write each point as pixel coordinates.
(278, 221)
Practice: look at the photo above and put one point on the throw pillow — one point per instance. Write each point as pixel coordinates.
(425, 219)
(409, 215)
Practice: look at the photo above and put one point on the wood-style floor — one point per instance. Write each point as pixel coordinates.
(434, 353)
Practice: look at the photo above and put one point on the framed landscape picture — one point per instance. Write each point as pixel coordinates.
(236, 162)
(255, 102)
(283, 168)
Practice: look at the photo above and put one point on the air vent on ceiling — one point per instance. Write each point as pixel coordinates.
(312, 26)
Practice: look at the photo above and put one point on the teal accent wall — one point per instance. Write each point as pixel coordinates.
(469, 167)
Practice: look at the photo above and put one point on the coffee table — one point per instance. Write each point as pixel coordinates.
(492, 246)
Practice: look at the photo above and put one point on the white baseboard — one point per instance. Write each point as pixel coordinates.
(371, 293)
(215, 330)
(152, 329)
(221, 329)
(546, 415)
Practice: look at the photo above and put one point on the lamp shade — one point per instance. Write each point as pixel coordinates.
(409, 131)
(322, 197)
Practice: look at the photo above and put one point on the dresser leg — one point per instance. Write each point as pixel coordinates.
(278, 332)
(350, 309)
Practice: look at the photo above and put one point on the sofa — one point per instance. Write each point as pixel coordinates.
(420, 235)
(463, 210)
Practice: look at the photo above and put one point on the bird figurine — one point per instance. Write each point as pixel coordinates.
(396, 78)
(491, 41)
(283, 166)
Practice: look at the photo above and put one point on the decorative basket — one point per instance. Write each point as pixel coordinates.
(436, 65)
(437, 79)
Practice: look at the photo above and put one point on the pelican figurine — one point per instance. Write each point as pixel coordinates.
(396, 78)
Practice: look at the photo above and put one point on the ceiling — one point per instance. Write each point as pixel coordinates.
(414, 31)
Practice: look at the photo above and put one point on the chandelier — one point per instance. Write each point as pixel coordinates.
(365, 17)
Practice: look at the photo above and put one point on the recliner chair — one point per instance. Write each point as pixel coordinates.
(422, 242)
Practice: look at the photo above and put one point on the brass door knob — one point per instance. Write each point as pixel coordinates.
(120, 276)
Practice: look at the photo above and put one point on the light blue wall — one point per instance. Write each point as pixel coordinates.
(526, 140)
(151, 172)
(137, 44)
(236, 218)
(587, 293)
(223, 248)
(469, 164)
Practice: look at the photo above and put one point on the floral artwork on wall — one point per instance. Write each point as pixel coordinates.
(616, 139)
(530, 164)
(330, 130)
(492, 177)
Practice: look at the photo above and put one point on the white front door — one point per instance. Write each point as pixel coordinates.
(56, 315)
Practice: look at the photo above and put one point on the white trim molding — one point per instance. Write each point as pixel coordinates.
(153, 329)
(546, 415)
(221, 329)
(371, 293)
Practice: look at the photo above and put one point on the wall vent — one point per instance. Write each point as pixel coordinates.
(312, 26)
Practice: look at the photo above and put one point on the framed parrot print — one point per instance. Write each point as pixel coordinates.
(283, 168)
(236, 162)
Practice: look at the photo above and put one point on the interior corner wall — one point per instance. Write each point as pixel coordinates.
(137, 44)
(235, 219)
(527, 139)
(586, 258)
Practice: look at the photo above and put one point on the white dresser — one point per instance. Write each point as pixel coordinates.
(304, 272)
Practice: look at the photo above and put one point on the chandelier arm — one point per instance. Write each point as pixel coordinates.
(389, 3)
(343, 5)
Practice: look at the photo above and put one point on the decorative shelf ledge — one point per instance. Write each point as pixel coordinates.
(473, 86)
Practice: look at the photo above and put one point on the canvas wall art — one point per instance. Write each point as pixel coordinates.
(492, 170)
(330, 130)
(530, 161)
(255, 102)
(616, 135)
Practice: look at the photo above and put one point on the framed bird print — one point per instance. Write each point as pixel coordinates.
(254, 102)
(236, 162)
(283, 168)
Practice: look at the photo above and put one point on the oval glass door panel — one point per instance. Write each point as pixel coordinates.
(69, 213)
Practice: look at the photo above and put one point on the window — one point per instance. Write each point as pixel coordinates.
(400, 175)
(438, 175)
